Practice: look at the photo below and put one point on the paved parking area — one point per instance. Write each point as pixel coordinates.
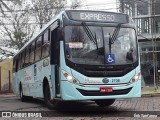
(138, 108)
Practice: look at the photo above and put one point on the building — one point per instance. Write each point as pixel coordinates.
(6, 76)
(146, 14)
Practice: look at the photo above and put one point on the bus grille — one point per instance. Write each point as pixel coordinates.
(98, 93)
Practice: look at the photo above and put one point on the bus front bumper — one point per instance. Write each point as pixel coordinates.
(71, 91)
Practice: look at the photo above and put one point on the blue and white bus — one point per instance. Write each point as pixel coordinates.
(80, 55)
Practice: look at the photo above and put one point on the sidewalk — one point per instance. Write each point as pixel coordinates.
(8, 95)
(150, 91)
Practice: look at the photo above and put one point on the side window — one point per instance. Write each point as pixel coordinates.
(18, 63)
(32, 52)
(38, 48)
(27, 56)
(14, 65)
(45, 44)
(22, 59)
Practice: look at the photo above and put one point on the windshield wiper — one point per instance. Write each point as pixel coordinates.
(114, 36)
(90, 35)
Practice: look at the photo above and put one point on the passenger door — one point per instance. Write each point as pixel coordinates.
(55, 52)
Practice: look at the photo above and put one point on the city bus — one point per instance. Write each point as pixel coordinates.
(80, 55)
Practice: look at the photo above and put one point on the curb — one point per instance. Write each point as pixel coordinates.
(8, 95)
(151, 95)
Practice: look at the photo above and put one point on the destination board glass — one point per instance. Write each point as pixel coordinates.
(102, 16)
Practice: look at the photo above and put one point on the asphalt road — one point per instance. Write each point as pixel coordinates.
(144, 108)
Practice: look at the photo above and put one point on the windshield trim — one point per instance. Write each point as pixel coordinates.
(106, 65)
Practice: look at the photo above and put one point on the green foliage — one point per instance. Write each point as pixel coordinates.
(19, 35)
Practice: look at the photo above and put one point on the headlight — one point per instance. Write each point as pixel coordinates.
(70, 78)
(136, 77)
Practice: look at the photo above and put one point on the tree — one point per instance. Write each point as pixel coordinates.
(44, 10)
(15, 24)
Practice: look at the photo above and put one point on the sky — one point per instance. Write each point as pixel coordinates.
(107, 5)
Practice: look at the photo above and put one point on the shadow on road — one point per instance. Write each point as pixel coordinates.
(81, 109)
(32, 100)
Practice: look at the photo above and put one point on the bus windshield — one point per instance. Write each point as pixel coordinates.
(93, 46)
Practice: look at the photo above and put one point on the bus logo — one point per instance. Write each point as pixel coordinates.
(105, 80)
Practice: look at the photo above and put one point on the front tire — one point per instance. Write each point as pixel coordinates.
(104, 103)
(47, 99)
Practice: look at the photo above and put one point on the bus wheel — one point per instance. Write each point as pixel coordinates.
(104, 103)
(47, 99)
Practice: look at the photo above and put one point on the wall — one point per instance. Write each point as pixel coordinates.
(5, 67)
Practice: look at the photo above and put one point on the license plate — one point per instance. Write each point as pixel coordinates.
(106, 90)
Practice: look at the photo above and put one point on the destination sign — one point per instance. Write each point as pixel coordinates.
(97, 16)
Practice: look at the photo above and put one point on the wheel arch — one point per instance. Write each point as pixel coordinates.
(20, 85)
(45, 82)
